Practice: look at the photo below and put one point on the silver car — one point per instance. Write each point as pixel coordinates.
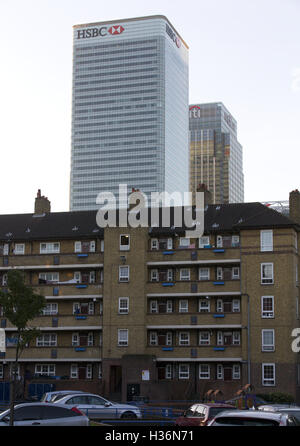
(253, 418)
(49, 397)
(282, 408)
(97, 407)
(41, 414)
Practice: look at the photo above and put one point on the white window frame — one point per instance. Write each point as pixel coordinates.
(169, 338)
(52, 277)
(220, 371)
(219, 273)
(220, 306)
(268, 381)
(266, 240)
(49, 248)
(124, 277)
(92, 278)
(267, 280)
(235, 272)
(153, 338)
(204, 371)
(220, 338)
(77, 276)
(204, 308)
(170, 243)
(185, 274)
(204, 337)
(90, 341)
(203, 276)
(100, 370)
(154, 275)
(204, 241)
(236, 305)
(74, 371)
(123, 307)
(267, 347)
(153, 306)
(154, 244)
(235, 241)
(168, 371)
(219, 241)
(89, 371)
(236, 338)
(77, 247)
(93, 246)
(183, 306)
(123, 334)
(125, 247)
(184, 371)
(75, 340)
(184, 242)
(184, 338)
(236, 371)
(1, 371)
(50, 309)
(45, 369)
(4, 279)
(19, 249)
(169, 306)
(6, 249)
(265, 314)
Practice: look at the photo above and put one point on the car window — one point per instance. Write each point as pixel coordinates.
(96, 400)
(190, 411)
(213, 411)
(50, 412)
(78, 400)
(199, 412)
(28, 413)
(292, 421)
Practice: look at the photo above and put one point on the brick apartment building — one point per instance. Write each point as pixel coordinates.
(148, 312)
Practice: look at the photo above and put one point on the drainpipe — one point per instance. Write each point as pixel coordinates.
(248, 338)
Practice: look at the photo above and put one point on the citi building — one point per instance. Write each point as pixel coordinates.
(129, 102)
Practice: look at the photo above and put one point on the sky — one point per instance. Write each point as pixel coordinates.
(244, 53)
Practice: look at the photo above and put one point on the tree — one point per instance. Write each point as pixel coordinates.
(20, 305)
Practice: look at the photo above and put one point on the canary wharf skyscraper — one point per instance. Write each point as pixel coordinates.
(129, 102)
(216, 156)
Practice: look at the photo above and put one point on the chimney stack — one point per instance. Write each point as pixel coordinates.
(294, 205)
(42, 205)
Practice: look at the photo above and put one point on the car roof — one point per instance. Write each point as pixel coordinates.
(37, 404)
(84, 394)
(213, 404)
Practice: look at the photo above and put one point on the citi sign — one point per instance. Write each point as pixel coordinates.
(99, 32)
(195, 111)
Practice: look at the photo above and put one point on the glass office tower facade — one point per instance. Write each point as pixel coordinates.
(216, 156)
(129, 102)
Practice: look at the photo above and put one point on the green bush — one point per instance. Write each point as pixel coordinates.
(277, 397)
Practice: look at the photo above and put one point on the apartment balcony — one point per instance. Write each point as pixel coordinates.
(196, 353)
(34, 354)
(61, 322)
(203, 256)
(53, 261)
(193, 320)
(69, 290)
(213, 287)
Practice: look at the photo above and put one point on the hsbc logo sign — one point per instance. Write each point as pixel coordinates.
(173, 36)
(100, 32)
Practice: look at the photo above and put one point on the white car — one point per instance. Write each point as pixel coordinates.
(253, 418)
(41, 414)
(97, 407)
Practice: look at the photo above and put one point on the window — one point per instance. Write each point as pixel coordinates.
(153, 340)
(203, 273)
(184, 338)
(75, 339)
(123, 305)
(50, 309)
(5, 249)
(267, 306)
(220, 340)
(219, 306)
(168, 371)
(204, 338)
(1, 371)
(19, 249)
(204, 371)
(45, 369)
(204, 241)
(89, 371)
(185, 274)
(219, 241)
(235, 241)
(268, 374)
(236, 338)
(268, 342)
(204, 306)
(83, 308)
(154, 244)
(236, 371)
(184, 242)
(154, 275)
(49, 248)
(46, 340)
(77, 247)
(220, 371)
(123, 337)
(219, 274)
(123, 273)
(266, 240)
(184, 371)
(267, 273)
(124, 242)
(45, 278)
(169, 306)
(4, 279)
(74, 371)
(235, 272)
(183, 306)
(100, 371)
(153, 306)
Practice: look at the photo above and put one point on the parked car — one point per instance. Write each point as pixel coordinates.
(200, 414)
(49, 397)
(40, 414)
(253, 418)
(97, 407)
(282, 408)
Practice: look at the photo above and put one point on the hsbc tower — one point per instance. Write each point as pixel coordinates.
(129, 109)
